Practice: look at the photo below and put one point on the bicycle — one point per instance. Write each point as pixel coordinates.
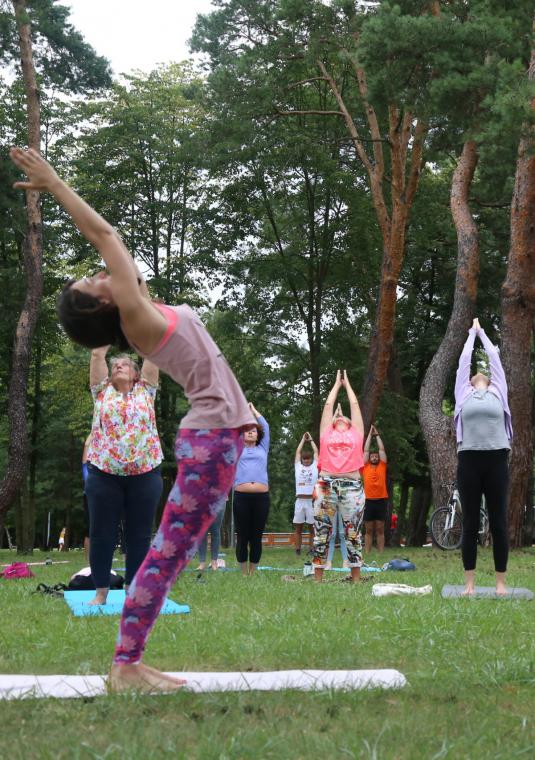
(446, 523)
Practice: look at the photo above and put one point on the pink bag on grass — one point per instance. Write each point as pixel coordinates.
(17, 570)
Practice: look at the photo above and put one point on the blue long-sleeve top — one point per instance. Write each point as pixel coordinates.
(252, 465)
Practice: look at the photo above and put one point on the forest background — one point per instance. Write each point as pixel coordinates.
(331, 185)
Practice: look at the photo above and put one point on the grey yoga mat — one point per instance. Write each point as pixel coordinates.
(488, 592)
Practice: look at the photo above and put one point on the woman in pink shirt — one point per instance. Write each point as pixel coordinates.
(339, 488)
(110, 308)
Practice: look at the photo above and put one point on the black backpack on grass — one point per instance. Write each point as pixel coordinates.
(83, 581)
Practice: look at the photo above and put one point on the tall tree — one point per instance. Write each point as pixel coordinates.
(436, 425)
(310, 47)
(32, 251)
(518, 312)
(47, 31)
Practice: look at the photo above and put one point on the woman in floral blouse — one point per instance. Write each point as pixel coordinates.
(124, 479)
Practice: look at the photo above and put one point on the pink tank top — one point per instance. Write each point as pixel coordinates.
(341, 451)
(188, 354)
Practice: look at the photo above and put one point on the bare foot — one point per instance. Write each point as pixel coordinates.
(202, 566)
(468, 591)
(501, 589)
(99, 599)
(213, 564)
(140, 677)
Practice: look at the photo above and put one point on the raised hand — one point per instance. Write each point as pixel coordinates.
(41, 176)
(476, 325)
(306, 437)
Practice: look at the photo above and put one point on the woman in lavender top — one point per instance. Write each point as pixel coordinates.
(484, 434)
(251, 494)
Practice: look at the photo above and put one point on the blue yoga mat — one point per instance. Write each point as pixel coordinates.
(364, 569)
(78, 602)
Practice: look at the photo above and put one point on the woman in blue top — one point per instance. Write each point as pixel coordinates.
(251, 495)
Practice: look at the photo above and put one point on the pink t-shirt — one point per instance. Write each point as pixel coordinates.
(188, 354)
(341, 451)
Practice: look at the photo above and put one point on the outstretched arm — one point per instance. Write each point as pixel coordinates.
(380, 444)
(497, 375)
(98, 367)
(314, 449)
(264, 443)
(462, 380)
(356, 416)
(143, 323)
(300, 447)
(368, 444)
(328, 409)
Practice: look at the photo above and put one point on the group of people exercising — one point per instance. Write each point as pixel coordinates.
(222, 440)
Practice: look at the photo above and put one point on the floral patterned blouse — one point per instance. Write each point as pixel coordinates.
(124, 437)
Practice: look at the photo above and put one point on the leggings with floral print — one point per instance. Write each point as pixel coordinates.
(207, 462)
(332, 497)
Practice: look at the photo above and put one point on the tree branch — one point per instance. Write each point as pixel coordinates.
(311, 112)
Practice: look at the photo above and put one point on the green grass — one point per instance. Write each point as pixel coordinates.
(470, 666)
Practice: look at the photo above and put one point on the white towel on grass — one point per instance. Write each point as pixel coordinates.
(399, 589)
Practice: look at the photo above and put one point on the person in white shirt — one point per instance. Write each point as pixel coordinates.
(306, 474)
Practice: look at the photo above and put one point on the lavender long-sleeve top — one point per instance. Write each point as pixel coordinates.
(252, 464)
(464, 389)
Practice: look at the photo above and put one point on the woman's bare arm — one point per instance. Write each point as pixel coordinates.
(356, 416)
(328, 409)
(98, 366)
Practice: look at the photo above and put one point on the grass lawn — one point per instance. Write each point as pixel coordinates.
(470, 666)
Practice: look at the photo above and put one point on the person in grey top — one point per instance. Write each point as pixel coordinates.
(484, 435)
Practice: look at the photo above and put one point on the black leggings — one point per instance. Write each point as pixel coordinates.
(484, 473)
(250, 516)
(109, 497)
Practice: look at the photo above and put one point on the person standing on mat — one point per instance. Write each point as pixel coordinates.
(215, 542)
(337, 534)
(86, 507)
(306, 474)
(251, 494)
(110, 308)
(339, 488)
(374, 477)
(484, 434)
(124, 481)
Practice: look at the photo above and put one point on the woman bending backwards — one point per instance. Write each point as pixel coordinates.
(339, 488)
(484, 435)
(109, 308)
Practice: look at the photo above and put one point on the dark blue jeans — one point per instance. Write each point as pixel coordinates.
(111, 498)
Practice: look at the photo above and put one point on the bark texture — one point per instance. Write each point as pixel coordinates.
(518, 311)
(32, 259)
(437, 427)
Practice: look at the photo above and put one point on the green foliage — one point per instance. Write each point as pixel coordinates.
(62, 58)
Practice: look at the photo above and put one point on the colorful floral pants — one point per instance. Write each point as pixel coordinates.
(333, 496)
(207, 462)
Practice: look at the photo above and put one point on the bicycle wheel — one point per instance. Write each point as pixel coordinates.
(446, 534)
(484, 528)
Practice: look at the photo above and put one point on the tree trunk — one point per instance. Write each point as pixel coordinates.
(402, 514)
(24, 522)
(406, 140)
(518, 311)
(417, 523)
(437, 427)
(32, 256)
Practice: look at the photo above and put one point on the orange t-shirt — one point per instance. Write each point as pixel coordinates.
(374, 477)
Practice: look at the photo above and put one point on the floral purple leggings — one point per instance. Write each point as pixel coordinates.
(206, 466)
